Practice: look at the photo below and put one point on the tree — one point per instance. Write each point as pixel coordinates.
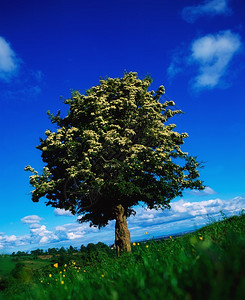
(71, 250)
(114, 149)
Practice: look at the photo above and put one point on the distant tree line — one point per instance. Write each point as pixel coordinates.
(71, 250)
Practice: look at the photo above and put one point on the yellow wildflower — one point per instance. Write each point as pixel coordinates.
(170, 237)
(62, 282)
(146, 232)
(147, 246)
(56, 265)
(65, 265)
(84, 271)
(102, 275)
(64, 275)
(60, 272)
(50, 275)
(134, 244)
(41, 281)
(138, 244)
(201, 238)
(64, 270)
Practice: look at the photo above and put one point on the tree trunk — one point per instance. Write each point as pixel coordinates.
(122, 235)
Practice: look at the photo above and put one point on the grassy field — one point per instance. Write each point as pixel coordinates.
(206, 264)
(6, 264)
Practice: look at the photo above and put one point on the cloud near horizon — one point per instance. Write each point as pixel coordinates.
(209, 57)
(208, 8)
(183, 216)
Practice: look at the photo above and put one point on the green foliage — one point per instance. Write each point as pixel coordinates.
(206, 264)
(114, 146)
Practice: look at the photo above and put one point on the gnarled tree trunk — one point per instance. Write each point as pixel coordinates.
(122, 235)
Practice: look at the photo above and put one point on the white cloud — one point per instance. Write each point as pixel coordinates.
(210, 57)
(72, 235)
(60, 228)
(8, 242)
(40, 234)
(11, 238)
(34, 225)
(8, 60)
(176, 65)
(31, 219)
(207, 8)
(62, 212)
(183, 216)
(25, 83)
(73, 231)
(207, 191)
(44, 240)
(213, 54)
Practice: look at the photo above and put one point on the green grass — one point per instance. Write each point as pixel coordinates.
(206, 264)
(6, 264)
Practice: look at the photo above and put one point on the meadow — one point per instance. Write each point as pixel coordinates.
(206, 264)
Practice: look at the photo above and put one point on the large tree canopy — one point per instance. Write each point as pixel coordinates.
(114, 147)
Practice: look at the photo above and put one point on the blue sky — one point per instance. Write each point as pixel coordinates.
(194, 48)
